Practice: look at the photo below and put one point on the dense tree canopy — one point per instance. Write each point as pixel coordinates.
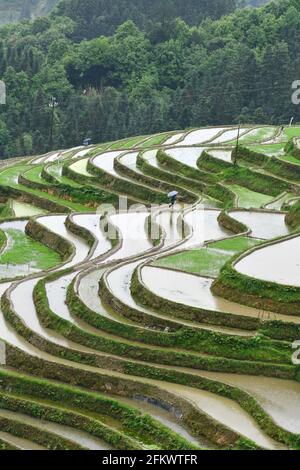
(171, 75)
(97, 17)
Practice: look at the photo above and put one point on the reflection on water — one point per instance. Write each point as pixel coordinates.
(80, 437)
(201, 135)
(262, 224)
(196, 291)
(285, 255)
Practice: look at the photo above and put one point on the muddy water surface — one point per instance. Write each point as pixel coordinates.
(227, 412)
(19, 442)
(261, 263)
(262, 224)
(91, 222)
(165, 417)
(196, 291)
(80, 437)
(56, 224)
(81, 153)
(280, 398)
(134, 238)
(205, 227)
(119, 281)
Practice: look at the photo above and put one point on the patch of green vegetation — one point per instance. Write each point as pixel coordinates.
(207, 261)
(56, 169)
(257, 181)
(155, 140)
(9, 177)
(128, 143)
(290, 159)
(34, 174)
(23, 250)
(6, 210)
(292, 132)
(3, 239)
(98, 149)
(258, 135)
(268, 149)
(249, 199)
(293, 217)
(236, 244)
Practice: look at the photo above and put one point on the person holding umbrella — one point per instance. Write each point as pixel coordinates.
(173, 197)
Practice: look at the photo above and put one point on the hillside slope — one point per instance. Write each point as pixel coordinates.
(236, 69)
(103, 17)
(107, 15)
(15, 10)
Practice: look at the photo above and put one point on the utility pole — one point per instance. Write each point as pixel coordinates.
(237, 146)
(52, 104)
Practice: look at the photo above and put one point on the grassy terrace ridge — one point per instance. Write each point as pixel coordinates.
(124, 363)
(9, 177)
(3, 240)
(6, 210)
(267, 149)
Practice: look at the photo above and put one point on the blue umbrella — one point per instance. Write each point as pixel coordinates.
(173, 193)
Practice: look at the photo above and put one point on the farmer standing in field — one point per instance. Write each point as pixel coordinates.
(173, 198)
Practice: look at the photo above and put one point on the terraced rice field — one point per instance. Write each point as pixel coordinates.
(127, 324)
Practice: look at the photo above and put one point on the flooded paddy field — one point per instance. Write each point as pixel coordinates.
(126, 327)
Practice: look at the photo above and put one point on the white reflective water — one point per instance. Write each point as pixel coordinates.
(105, 162)
(262, 263)
(80, 437)
(173, 139)
(80, 167)
(195, 291)
(57, 224)
(229, 135)
(224, 155)
(91, 222)
(187, 155)
(19, 442)
(201, 135)
(262, 224)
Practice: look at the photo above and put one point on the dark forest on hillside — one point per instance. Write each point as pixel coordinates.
(144, 79)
